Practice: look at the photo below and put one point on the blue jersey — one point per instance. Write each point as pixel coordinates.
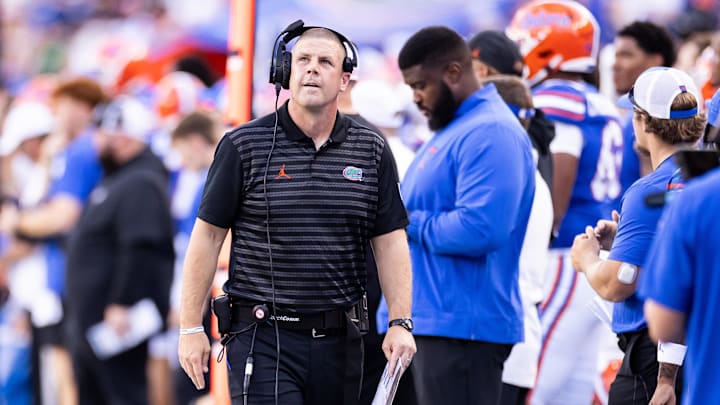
(74, 172)
(186, 192)
(683, 273)
(630, 170)
(597, 185)
(635, 233)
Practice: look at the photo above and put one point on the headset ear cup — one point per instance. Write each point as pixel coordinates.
(347, 65)
(285, 62)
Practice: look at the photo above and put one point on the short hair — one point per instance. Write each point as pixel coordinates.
(652, 39)
(81, 89)
(434, 46)
(513, 91)
(676, 131)
(198, 123)
(323, 33)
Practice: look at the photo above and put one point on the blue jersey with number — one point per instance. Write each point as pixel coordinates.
(597, 185)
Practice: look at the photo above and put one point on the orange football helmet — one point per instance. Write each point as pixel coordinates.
(555, 35)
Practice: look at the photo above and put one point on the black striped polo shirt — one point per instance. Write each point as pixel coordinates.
(324, 205)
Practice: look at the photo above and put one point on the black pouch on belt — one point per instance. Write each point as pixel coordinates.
(360, 315)
(221, 308)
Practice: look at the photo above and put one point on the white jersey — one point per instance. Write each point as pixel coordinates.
(520, 368)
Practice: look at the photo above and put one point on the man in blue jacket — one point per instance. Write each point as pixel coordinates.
(468, 194)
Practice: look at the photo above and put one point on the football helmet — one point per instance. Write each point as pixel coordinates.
(555, 35)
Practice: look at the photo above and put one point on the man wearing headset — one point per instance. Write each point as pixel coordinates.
(303, 190)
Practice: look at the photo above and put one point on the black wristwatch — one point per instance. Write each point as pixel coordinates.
(406, 323)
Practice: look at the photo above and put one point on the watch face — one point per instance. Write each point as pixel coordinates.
(409, 324)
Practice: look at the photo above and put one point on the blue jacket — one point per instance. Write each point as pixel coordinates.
(469, 192)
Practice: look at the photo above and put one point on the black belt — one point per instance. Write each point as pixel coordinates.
(321, 321)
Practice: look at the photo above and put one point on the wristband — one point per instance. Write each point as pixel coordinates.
(190, 331)
(671, 353)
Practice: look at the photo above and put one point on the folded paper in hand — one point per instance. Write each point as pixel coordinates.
(388, 384)
(144, 320)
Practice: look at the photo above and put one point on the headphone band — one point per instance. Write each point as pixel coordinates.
(295, 30)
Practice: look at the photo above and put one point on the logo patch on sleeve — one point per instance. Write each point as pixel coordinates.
(353, 173)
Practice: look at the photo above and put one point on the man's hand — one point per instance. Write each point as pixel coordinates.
(605, 231)
(194, 354)
(398, 344)
(117, 317)
(665, 390)
(585, 247)
(664, 394)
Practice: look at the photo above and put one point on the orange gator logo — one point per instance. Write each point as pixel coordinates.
(282, 174)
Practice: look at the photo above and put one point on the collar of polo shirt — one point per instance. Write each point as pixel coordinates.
(294, 133)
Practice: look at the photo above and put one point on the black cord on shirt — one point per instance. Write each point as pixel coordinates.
(267, 232)
(249, 366)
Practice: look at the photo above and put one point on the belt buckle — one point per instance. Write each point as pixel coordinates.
(317, 335)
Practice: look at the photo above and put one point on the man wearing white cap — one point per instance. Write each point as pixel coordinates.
(666, 118)
(120, 258)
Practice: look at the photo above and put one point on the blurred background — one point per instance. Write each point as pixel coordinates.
(172, 55)
(115, 41)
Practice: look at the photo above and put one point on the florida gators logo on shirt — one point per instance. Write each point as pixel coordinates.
(353, 173)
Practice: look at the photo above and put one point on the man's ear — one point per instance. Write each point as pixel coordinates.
(452, 73)
(344, 81)
(480, 69)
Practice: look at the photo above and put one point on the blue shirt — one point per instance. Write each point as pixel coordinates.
(682, 272)
(636, 230)
(74, 172)
(469, 192)
(597, 185)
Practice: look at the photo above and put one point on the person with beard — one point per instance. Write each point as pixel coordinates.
(120, 254)
(468, 194)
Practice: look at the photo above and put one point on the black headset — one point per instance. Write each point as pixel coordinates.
(282, 58)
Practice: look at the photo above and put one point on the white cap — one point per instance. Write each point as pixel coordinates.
(127, 116)
(26, 120)
(656, 88)
(377, 102)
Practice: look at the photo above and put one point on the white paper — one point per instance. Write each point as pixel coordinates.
(47, 309)
(388, 384)
(144, 320)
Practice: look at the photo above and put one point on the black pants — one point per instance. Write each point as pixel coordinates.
(513, 395)
(121, 379)
(456, 371)
(312, 370)
(637, 378)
